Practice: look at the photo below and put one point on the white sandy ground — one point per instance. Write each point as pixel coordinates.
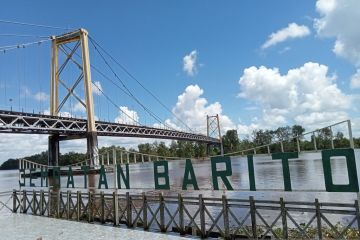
(21, 226)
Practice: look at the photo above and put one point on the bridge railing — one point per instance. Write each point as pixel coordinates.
(295, 142)
(122, 156)
(107, 158)
(202, 216)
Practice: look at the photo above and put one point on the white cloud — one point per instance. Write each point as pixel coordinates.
(78, 107)
(306, 95)
(192, 109)
(41, 96)
(293, 30)
(127, 116)
(189, 63)
(97, 88)
(355, 80)
(338, 19)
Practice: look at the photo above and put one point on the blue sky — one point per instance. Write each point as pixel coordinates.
(200, 57)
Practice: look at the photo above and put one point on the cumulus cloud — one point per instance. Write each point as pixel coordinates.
(355, 80)
(307, 95)
(127, 116)
(192, 109)
(97, 88)
(41, 96)
(338, 20)
(78, 107)
(190, 63)
(292, 31)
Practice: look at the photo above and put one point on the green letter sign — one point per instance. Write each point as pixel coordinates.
(348, 153)
(189, 170)
(222, 174)
(164, 175)
(285, 166)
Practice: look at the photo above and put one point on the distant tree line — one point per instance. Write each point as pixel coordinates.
(231, 143)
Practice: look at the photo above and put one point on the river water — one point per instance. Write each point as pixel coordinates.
(307, 181)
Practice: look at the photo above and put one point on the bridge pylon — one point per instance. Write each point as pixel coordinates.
(213, 130)
(77, 39)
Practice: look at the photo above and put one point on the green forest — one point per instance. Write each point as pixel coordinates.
(231, 143)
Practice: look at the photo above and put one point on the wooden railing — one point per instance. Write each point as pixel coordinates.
(201, 216)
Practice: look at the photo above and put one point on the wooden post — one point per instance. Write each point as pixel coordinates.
(268, 149)
(202, 217)
(41, 203)
(226, 217)
(116, 208)
(33, 207)
(318, 218)
(14, 197)
(59, 196)
(128, 211)
(283, 219)
(145, 209)
(90, 210)
(78, 205)
(68, 197)
(162, 212)
(181, 214)
(357, 214)
(253, 216)
(102, 207)
(24, 199)
(49, 202)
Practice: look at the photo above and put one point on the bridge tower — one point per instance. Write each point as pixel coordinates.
(77, 39)
(213, 130)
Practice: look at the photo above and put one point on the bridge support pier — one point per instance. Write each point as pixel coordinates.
(53, 150)
(92, 148)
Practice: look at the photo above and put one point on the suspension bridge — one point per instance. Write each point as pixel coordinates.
(61, 128)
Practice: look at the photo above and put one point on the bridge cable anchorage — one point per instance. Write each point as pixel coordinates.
(32, 24)
(128, 93)
(135, 79)
(131, 94)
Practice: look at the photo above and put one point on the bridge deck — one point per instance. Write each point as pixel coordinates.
(30, 123)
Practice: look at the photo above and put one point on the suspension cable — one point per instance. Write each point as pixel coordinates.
(130, 93)
(134, 78)
(21, 45)
(112, 102)
(22, 35)
(32, 24)
(113, 82)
